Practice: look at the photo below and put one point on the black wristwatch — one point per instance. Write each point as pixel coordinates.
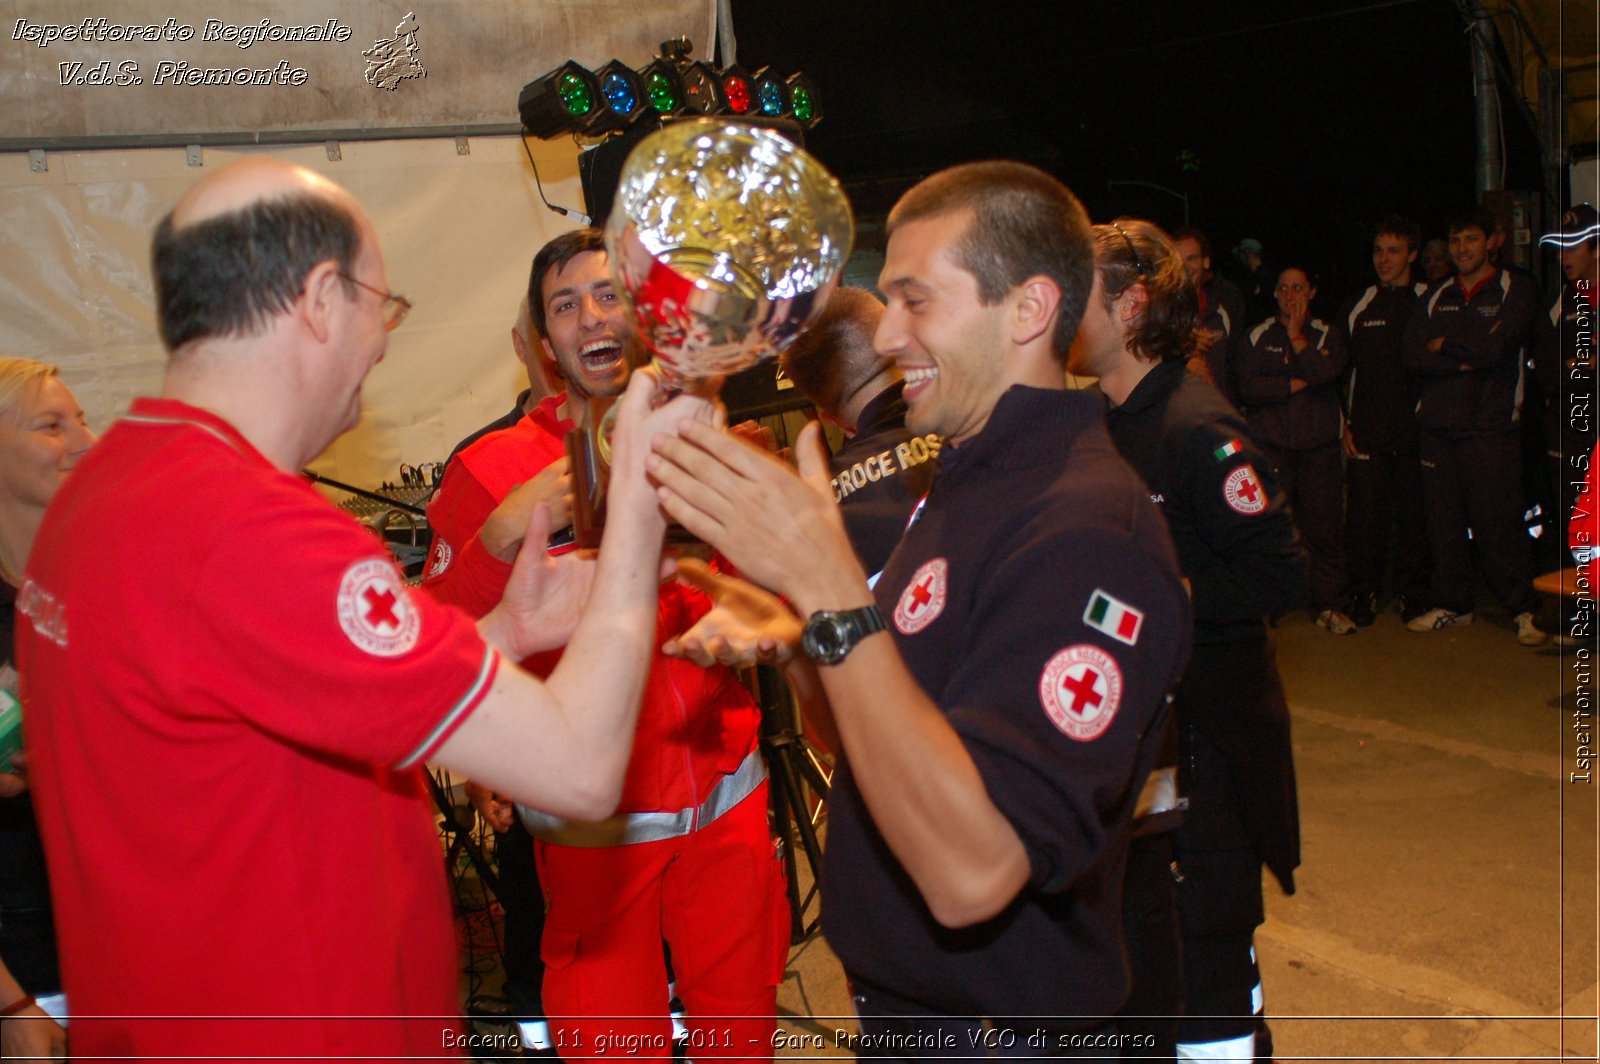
(831, 634)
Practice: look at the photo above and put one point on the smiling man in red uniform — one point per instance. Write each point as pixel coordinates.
(225, 737)
(688, 858)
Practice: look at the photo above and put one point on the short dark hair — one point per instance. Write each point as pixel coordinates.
(1400, 226)
(1024, 223)
(1471, 218)
(834, 358)
(1189, 232)
(227, 274)
(1296, 264)
(1131, 251)
(554, 256)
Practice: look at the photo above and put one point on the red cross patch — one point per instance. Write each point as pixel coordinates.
(440, 561)
(1081, 688)
(923, 599)
(375, 611)
(1243, 491)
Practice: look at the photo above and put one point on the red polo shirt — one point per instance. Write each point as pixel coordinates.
(228, 692)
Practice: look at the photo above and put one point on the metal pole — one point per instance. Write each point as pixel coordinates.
(1491, 170)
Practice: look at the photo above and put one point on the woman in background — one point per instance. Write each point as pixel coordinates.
(42, 436)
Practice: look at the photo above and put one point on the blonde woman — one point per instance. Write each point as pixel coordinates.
(42, 436)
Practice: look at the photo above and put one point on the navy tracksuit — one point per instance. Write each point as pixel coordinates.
(1300, 433)
(1470, 417)
(1383, 481)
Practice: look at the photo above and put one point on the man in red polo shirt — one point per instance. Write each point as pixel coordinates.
(688, 859)
(225, 736)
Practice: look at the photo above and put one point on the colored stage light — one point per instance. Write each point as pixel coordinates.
(803, 100)
(702, 89)
(622, 96)
(739, 90)
(558, 102)
(615, 97)
(772, 95)
(663, 87)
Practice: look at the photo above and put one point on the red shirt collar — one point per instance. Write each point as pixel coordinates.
(1467, 294)
(546, 415)
(149, 409)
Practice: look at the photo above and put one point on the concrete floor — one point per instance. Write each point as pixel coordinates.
(1447, 903)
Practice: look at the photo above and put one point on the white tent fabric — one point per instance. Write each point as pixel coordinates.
(459, 220)
(458, 233)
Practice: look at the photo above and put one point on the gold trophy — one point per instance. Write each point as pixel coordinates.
(725, 241)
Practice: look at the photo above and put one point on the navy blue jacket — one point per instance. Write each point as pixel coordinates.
(1564, 364)
(1238, 547)
(1473, 384)
(1380, 395)
(1265, 362)
(1036, 601)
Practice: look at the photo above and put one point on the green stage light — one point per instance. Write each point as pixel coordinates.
(663, 87)
(559, 102)
(803, 100)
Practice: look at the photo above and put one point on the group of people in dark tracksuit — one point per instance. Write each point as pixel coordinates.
(1395, 428)
(1404, 389)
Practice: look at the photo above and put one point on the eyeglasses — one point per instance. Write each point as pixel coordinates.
(395, 308)
(1138, 259)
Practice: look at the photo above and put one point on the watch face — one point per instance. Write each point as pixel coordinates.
(824, 638)
(828, 636)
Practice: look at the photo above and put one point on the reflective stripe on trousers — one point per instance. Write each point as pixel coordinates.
(625, 829)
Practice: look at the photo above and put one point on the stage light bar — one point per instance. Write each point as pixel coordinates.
(571, 98)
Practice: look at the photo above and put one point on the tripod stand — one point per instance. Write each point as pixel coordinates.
(797, 791)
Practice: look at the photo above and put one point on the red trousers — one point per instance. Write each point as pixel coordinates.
(715, 896)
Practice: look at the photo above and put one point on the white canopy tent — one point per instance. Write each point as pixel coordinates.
(87, 177)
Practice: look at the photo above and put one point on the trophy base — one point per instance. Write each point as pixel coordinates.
(588, 457)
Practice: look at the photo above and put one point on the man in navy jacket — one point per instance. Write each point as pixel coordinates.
(1467, 342)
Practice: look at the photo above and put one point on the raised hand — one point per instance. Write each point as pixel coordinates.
(748, 625)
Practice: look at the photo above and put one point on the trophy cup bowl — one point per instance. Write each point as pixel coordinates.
(725, 242)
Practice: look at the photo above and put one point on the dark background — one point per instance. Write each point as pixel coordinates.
(1297, 123)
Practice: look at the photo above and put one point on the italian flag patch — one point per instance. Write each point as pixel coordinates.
(1228, 450)
(1116, 619)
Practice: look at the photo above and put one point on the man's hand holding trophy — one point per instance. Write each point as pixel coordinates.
(725, 241)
